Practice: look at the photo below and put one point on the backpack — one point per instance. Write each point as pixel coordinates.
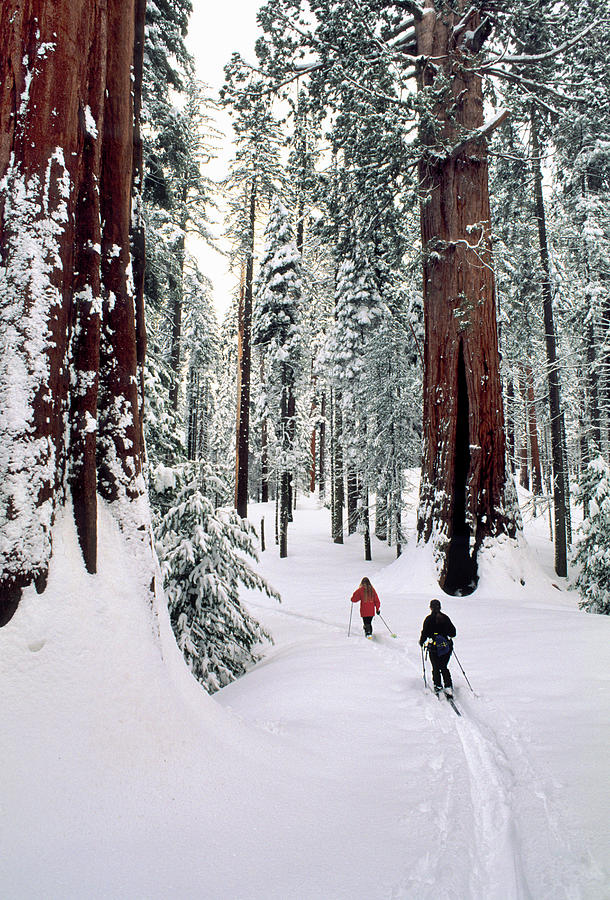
(441, 644)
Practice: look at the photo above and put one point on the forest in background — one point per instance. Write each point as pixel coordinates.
(418, 212)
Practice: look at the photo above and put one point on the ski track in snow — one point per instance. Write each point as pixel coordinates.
(328, 772)
(490, 805)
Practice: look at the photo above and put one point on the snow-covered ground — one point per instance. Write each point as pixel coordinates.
(326, 772)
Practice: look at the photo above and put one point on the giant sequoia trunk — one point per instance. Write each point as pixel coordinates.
(71, 328)
(464, 476)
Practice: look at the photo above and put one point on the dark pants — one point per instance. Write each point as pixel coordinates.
(366, 624)
(439, 669)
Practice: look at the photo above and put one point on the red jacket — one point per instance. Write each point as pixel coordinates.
(367, 607)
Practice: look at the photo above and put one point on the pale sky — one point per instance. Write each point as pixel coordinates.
(216, 30)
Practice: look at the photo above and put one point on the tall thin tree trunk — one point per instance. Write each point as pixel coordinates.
(510, 420)
(398, 509)
(533, 433)
(243, 369)
(312, 442)
(593, 388)
(291, 433)
(381, 514)
(192, 429)
(366, 521)
(566, 480)
(559, 494)
(524, 474)
(338, 490)
(322, 449)
(264, 446)
(352, 500)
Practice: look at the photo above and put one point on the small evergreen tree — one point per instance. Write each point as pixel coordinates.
(593, 547)
(203, 554)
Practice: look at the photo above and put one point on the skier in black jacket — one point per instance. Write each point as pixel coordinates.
(438, 624)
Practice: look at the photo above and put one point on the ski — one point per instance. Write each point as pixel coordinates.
(449, 699)
(453, 706)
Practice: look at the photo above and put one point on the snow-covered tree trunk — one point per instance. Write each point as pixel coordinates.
(244, 362)
(533, 432)
(464, 478)
(69, 398)
(336, 450)
(524, 472)
(322, 449)
(557, 449)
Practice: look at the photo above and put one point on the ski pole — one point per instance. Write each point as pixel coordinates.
(463, 672)
(423, 665)
(387, 626)
(349, 627)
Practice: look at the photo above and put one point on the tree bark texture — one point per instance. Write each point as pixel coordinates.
(463, 495)
(71, 328)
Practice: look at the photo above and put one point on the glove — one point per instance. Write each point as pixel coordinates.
(378, 612)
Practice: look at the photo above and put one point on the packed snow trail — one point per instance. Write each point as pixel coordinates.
(327, 772)
(464, 795)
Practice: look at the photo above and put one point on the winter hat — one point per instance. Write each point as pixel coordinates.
(435, 605)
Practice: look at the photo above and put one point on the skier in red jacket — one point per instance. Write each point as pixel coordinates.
(366, 595)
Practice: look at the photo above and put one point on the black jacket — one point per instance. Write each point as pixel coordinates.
(437, 623)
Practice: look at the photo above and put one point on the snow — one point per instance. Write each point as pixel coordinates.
(327, 771)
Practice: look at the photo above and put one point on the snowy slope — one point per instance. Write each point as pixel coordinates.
(326, 772)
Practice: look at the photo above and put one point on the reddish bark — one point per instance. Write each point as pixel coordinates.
(462, 494)
(67, 147)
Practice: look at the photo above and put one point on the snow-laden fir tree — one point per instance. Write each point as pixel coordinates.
(593, 545)
(201, 346)
(277, 332)
(359, 311)
(583, 175)
(255, 175)
(204, 554)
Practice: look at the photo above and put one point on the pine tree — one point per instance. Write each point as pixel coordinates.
(593, 545)
(256, 174)
(204, 554)
(277, 331)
